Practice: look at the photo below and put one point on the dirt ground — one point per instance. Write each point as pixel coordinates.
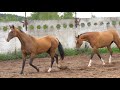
(76, 68)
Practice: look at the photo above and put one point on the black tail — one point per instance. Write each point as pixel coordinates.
(61, 51)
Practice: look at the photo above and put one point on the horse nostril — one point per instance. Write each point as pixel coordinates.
(7, 40)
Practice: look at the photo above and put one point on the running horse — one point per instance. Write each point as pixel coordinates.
(33, 46)
(99, 40)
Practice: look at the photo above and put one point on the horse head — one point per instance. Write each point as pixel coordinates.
(78, 42)
(12, 33)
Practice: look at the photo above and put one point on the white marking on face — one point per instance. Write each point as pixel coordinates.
(90, 63)
(49, 69)
(103, 61)
(10, 30)
(110, 59)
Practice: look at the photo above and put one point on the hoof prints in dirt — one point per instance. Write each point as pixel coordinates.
(75, 67)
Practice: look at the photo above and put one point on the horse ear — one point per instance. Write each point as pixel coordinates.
(9, 26)
(13, 26)
(77, 36)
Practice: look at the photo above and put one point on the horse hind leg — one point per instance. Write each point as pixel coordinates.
(56, 56)
(52, 61)
(111, 52)
(52, 54)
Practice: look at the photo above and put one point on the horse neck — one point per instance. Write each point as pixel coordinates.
(84, 37)
(23, 37)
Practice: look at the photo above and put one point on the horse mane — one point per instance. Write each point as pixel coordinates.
(26, 34)
(21, 31)
(81, 34)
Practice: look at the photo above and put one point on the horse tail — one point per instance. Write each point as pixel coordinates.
(61, 50)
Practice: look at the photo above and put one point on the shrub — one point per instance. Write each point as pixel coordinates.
(114, 23)
(119, 22)
(45, 26)
(58, 26)
(19, 27)
(82, 25)
(89, 24)
(31, 27)
(5, 28)
(65, 25)
(71, 25)
(38, 27)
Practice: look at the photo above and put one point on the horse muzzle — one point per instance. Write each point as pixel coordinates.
(77, 49)
(7, 40)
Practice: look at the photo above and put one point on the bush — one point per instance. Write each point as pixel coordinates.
(119, 22)
(5, 28)
(45, 26)
(31, 27)
(82, 25)
(19, 27)
(58, 26)
(89, 24)
(114, 23)
(38, 27)
(71, 25)
(65, 25)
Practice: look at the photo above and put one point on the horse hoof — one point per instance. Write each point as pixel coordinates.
(103, 63)
(37, 70)
(49, 70)
(21, 72)
(89, 65)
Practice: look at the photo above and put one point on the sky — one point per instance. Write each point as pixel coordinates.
(79, 14)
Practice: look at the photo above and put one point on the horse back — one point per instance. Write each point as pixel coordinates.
(47, 42)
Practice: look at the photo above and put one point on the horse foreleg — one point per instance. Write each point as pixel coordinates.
(91, 59)
(110, 50)
(31, 60)
(23, 64)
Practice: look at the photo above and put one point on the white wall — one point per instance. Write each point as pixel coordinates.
(65, 35)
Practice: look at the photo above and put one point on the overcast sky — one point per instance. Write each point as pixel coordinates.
(79, 14)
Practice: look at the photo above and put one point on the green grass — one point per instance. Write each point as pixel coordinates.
(68, 52)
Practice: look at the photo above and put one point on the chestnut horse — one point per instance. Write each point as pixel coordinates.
(33, 46)
(99, 40)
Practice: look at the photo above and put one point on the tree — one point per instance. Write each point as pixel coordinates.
(10, 17)
(44, 16)
(68, 15)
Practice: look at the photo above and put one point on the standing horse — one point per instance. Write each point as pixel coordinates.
(99, 40)
(33, 46)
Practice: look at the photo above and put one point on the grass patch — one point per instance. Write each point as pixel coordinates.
(11, 56)
(68, 52)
